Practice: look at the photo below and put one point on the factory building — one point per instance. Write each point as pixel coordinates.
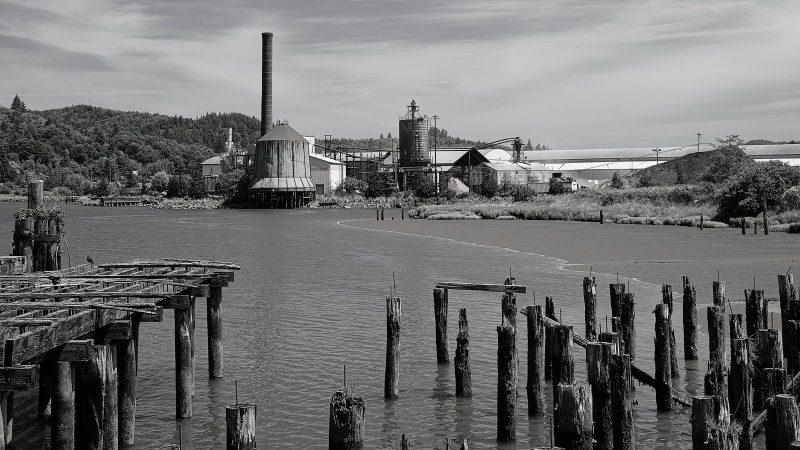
(326, 173)
(282, 169)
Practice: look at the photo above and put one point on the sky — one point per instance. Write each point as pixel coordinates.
(564, 73)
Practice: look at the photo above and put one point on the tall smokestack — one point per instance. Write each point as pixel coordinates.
(266, 82)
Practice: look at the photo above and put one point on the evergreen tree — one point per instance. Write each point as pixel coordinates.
(18, 105)
(528, 146)
(616, 181)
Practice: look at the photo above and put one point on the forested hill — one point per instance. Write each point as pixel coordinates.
(78, 145)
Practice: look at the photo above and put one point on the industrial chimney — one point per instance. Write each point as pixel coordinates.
(266, 82)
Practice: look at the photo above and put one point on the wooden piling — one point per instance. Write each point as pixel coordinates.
(111, 400)
(715, 381)
(440, 319)
(391, 386)
(404, 444)
(602, 218)
(590, 307)
(621, 406)
(785, 285)
(716, 334)
(346, 422)
(662, 359)
(612, 338)
(506, 383)
(7, 409)
(768, 349)
(598, 355)
(127, 366)
(563, 364)
(718, 293)
(616, 291)
(573, 417)
(740, 390)
(240, 421)
(62, 428)
(791, 347)
(744, 226)
(47, 373)
(783, 422)
(689, 320)
(90, 390)
(214, 322)
(462, 364)
(183, 364)
(736, 326)
(550, 313)
(628, 323)
(764, 211)
(666, 298)
(711, 425)
(535, 385)
(755, 311)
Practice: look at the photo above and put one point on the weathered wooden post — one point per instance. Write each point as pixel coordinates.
(617, 291)
(701, 221)
(535, 386)
(440, 318)
(711, 425)
(35, 194)
(736, 326)
(666, 298)
(563, 364)
(127, 366)
(770, 356)
(755, 311)
(506, 383)
(7, 409)
(621, 406)
(785, 285)
(602, 219)
(62, 428)
(598, 355)
(766, 223)
(509, 310)
(740, 390)
(550, 313)
(462, 364)
(783, 422)
(689, 320)
(23, 240)
(346, 423)
(391, 387)
(744, 226)
(718, 293)
(183, 364)
(662, 359)
(111, 400)
(573, 416)
(715, 381)
(628, 323)
(590, 307)
(404, 444)
(716, 334)
(612, 338)
(791, 348)
(90, 390)
(47, 373)
(214, 322)
(240, 421)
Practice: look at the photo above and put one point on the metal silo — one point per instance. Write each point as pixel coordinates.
(282, 170)
(414, 145)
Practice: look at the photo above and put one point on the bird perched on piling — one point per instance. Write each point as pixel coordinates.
(90, 260)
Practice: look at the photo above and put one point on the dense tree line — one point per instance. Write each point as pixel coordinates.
(78, 146)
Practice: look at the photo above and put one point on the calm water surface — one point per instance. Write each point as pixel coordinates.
(310, 299)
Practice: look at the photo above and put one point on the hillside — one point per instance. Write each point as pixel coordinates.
(712, 166)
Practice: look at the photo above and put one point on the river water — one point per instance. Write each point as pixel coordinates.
(310, 298)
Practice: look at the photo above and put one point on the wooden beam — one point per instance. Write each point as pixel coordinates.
(177, 302)
(78, 350)
(117, 330)
(482, 287)
(19, 378)
(173, 263)
(31, 344)
(157, 316)
(81, 294)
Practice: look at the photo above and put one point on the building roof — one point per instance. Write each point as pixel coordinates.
(496, 154)
(777, 151)
(319, 157)
(504, 166)
(284, 184)
(212, 161)
(283, 132)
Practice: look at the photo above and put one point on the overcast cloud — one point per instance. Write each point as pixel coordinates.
(567, 73)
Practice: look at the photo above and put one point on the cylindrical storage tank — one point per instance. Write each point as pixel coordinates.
(414, 143)
(282, 161)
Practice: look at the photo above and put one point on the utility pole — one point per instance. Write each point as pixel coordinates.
(657, 150)
(698, 142)
(436, 151)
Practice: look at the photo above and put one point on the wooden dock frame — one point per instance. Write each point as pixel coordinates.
(78, 329)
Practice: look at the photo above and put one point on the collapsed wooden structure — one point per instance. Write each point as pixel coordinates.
(74, 335)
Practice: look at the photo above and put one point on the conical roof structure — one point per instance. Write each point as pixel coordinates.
(281, 162)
